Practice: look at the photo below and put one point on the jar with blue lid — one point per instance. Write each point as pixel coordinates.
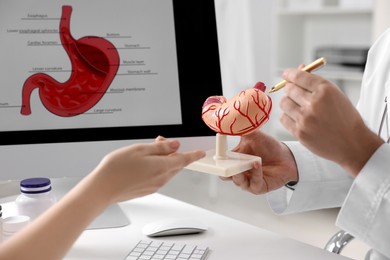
(35, 197)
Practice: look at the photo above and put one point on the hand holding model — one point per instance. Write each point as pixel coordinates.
(126, 173)
(277, 167)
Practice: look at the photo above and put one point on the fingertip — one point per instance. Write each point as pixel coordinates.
(174, 144)
(159, 138)
(237, 178)
(165, 147)
(256, 165)
(197, 155)
(285, 73)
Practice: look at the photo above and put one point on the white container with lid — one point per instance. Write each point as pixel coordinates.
(13, 224)
(35, 198)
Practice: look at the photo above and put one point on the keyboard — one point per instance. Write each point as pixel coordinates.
(152, 250)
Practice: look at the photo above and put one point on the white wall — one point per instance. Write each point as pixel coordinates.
(381, 17)
(246, 43)
(245, 40)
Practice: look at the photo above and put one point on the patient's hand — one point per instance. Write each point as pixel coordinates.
(140, 169)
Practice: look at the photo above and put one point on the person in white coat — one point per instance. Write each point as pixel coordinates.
(342, 158)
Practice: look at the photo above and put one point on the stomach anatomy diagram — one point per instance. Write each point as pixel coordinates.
(94, 61)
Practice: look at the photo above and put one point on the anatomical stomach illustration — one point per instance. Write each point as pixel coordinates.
(95, 62)
(239, 116)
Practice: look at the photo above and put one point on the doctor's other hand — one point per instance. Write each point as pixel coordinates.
(324, 120)
(140, 169)
(277, 169)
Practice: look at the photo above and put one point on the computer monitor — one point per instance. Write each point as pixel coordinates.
(81, 78)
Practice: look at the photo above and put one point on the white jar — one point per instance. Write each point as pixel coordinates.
(35, 198)
(14, 224)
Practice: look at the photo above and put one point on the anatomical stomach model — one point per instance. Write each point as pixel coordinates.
(241, 115)
(95, 62)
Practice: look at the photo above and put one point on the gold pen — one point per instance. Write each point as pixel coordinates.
(318, 63)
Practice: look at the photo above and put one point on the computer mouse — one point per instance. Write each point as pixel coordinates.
(173, 227)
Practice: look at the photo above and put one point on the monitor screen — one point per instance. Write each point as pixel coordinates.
(105, 70)
(82, 77)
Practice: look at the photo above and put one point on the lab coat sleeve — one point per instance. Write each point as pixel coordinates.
(366, 210)
(322, 184)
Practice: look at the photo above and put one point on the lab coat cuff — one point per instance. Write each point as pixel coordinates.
(279, 200)
(284, 200)
(366, 205)
(313, 190)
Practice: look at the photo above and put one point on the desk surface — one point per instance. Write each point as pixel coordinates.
(226, 238)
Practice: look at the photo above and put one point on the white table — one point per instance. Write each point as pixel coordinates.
(226, 238)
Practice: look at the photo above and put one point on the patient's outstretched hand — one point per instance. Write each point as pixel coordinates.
(141, 169)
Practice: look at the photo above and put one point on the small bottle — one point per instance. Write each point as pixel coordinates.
(13, 224)
(35, 198)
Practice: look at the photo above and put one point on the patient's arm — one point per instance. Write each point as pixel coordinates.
(124, 174)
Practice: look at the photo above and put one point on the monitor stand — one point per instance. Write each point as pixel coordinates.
(112, 217)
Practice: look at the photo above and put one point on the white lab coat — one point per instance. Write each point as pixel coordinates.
(365, 200)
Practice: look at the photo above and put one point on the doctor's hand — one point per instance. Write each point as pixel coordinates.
(323, 119)
(277, 169)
